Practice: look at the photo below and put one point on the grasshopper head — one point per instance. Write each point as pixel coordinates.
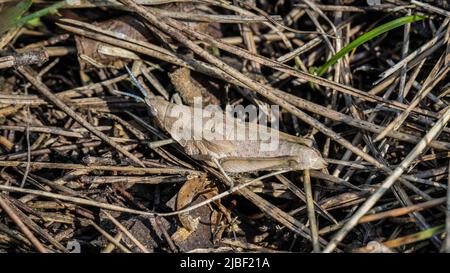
(158, 107)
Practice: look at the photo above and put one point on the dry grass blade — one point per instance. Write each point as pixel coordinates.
(28, 73)
(39, 247)
(311, 212)
(402, 211)
(126, 232)
(447, 218)
(197, 126)
(419, 236)
(388, 182)
(110, 238)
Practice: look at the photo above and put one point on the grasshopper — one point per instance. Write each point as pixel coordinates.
(232, 152)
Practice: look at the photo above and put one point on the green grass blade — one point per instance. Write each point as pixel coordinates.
(368, 36)
(42, 12)
(10, 15)
(416, 237)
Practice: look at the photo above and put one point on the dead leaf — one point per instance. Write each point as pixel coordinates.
(92, 53)
(186, 195)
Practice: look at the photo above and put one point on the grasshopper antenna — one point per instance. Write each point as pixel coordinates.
(136, 82)
(141, 88)
(139, 99)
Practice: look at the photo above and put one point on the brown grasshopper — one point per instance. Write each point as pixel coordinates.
(231, 151)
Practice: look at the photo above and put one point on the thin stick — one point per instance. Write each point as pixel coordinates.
(76, 200)
(437, 41)
(88, 202)
(405, 49)
(110, 247)
(388, 182)
(173, 28)
(431, 8)
(27, 139)
(402, 211)
(126, 232)
(39, 247)
(396, 123)
(151, 50)
(63, 166)
(41, 87)
(109, 237)
(311, 214)
(295, 190)
(168, 26)
(447, 219)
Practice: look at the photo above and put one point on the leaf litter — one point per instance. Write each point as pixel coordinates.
(89, 100)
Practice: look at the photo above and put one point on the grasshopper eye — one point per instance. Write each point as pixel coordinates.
(152, 109)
